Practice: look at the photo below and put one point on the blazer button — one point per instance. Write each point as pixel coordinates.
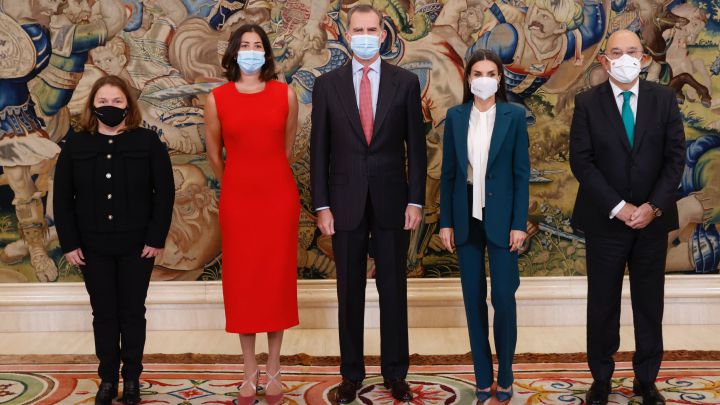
(490, 194)
(108, 175)
(110, 217)
(109, 156)
(109, 196)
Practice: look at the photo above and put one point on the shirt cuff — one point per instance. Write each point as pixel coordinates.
(415, 205)
(617, 209)
(321, 208)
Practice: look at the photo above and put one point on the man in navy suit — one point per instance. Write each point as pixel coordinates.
(366, 121)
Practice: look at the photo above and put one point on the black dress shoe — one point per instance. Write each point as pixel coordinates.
(347, 391)
(400, 389)
(598, 393)
(131, 392)
(649, 392)
(106, 393)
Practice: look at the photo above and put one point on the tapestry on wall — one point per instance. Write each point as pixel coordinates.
(169, 52)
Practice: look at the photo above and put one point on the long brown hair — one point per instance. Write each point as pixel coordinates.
(477, 56)
(229, 60)
(88, 120)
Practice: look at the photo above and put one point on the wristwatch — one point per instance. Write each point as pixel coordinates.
(657, 212)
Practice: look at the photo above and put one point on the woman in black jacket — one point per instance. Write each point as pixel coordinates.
(113, 198)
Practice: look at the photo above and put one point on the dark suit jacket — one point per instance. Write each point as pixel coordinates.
(140, 187)
(507, 178)
(344, 168)
(610, 171)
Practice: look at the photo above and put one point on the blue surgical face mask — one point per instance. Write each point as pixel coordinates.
(365, 46)
(250, 62)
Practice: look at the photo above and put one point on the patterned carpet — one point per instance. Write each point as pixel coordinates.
(681, 381)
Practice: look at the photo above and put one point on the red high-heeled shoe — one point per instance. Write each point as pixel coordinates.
(249, 400)
(276, 399)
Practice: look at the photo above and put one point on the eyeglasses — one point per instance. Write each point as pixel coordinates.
(617, 54)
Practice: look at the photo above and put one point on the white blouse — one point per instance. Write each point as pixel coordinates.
(478, 142)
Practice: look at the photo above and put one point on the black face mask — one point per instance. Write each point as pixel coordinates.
(110, 115)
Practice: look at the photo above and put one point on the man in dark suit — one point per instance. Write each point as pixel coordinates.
(627, 152)
(366, 120)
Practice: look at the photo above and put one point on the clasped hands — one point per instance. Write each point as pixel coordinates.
(636, 217)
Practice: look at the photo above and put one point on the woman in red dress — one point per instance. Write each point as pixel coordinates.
(254, 117)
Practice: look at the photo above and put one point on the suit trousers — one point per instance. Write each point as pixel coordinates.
(390, 253)
(504, 281)
(118, 285)
(607, 256)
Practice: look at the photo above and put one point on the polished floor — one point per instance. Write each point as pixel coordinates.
(324, 342)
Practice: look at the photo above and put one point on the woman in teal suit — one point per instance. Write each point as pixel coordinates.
(484, 204)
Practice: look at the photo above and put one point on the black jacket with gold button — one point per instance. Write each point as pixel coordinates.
(108, 185)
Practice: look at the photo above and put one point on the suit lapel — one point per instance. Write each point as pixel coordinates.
(610, 109)
(461, 137)
(386, 95)
(500, 129)
(644, 113)
(346, 92)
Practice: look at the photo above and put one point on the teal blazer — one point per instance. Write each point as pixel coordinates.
(507, 177)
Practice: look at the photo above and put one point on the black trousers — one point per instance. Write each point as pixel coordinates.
(390, 253)
(118, 285)
(607, 256)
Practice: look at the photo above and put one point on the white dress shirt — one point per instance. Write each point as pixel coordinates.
(480, 131)
(374, 76)
(617, 92)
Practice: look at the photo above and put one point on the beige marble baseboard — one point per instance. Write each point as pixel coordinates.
(433, 303)
(324, 342)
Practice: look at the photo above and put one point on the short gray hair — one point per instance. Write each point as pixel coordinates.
(364, 8)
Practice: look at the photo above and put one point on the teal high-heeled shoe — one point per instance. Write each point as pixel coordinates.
(504, 396)
(483, 395)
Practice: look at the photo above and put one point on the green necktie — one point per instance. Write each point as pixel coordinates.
(627, 117)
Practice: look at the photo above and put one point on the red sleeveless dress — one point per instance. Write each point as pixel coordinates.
(259, 211)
